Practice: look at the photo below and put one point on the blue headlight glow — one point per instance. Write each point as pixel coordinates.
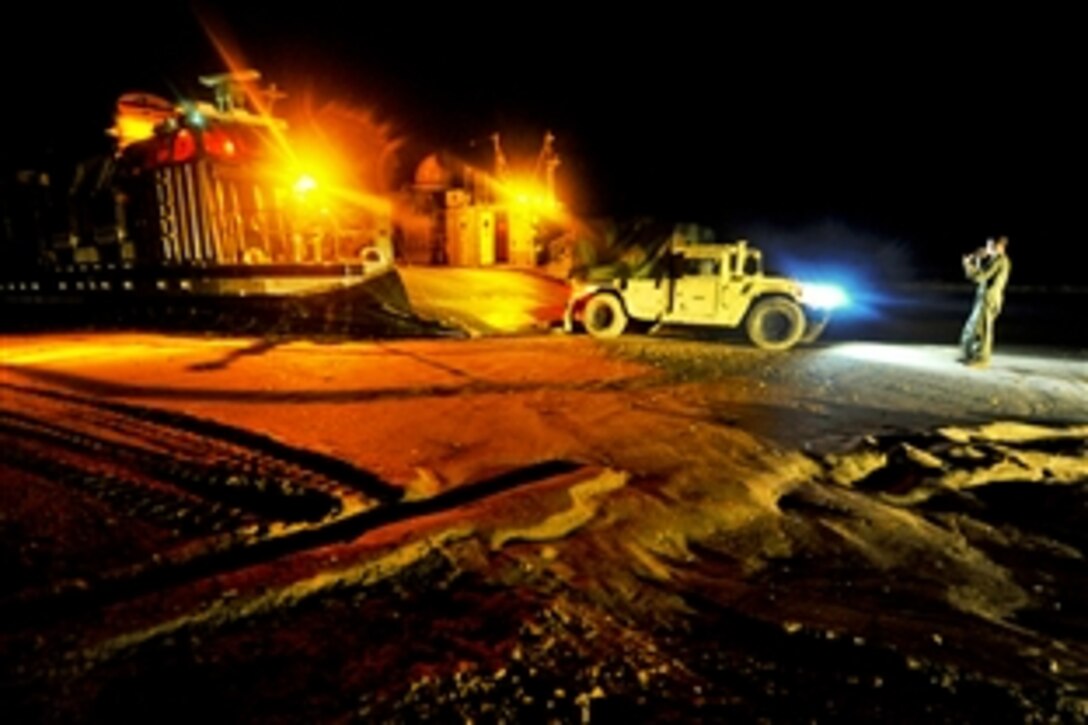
(824, 296)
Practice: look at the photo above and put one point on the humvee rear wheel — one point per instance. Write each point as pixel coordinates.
(604, 317)
(775, 323)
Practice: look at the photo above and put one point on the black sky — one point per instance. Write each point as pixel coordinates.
(927, 131)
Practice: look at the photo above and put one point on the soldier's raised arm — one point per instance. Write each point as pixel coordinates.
(971, 267)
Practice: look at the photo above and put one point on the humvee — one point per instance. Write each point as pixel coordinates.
(716, 285)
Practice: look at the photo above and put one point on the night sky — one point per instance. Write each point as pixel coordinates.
(923, 134)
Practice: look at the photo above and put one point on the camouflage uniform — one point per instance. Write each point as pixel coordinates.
(990, 274)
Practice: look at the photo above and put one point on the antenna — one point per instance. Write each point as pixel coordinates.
(501, 166)
(549, 159)
(271, 95)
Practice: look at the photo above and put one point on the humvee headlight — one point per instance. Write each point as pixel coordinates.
(824, 296)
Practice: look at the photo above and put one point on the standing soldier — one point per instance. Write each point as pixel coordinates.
(989, 269)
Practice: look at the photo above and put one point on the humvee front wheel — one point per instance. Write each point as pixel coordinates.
(775, 323)
(604, 317)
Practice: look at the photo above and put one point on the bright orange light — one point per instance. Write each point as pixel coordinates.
(136, 117)
(130, 129)
(235, 63)
(310, 165)
(305, 184)
(530, 196)
(320, 173)
(373, 203)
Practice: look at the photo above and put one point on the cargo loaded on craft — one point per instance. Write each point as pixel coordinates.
(202, 216)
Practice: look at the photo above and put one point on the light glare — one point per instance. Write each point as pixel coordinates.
(824, 296)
